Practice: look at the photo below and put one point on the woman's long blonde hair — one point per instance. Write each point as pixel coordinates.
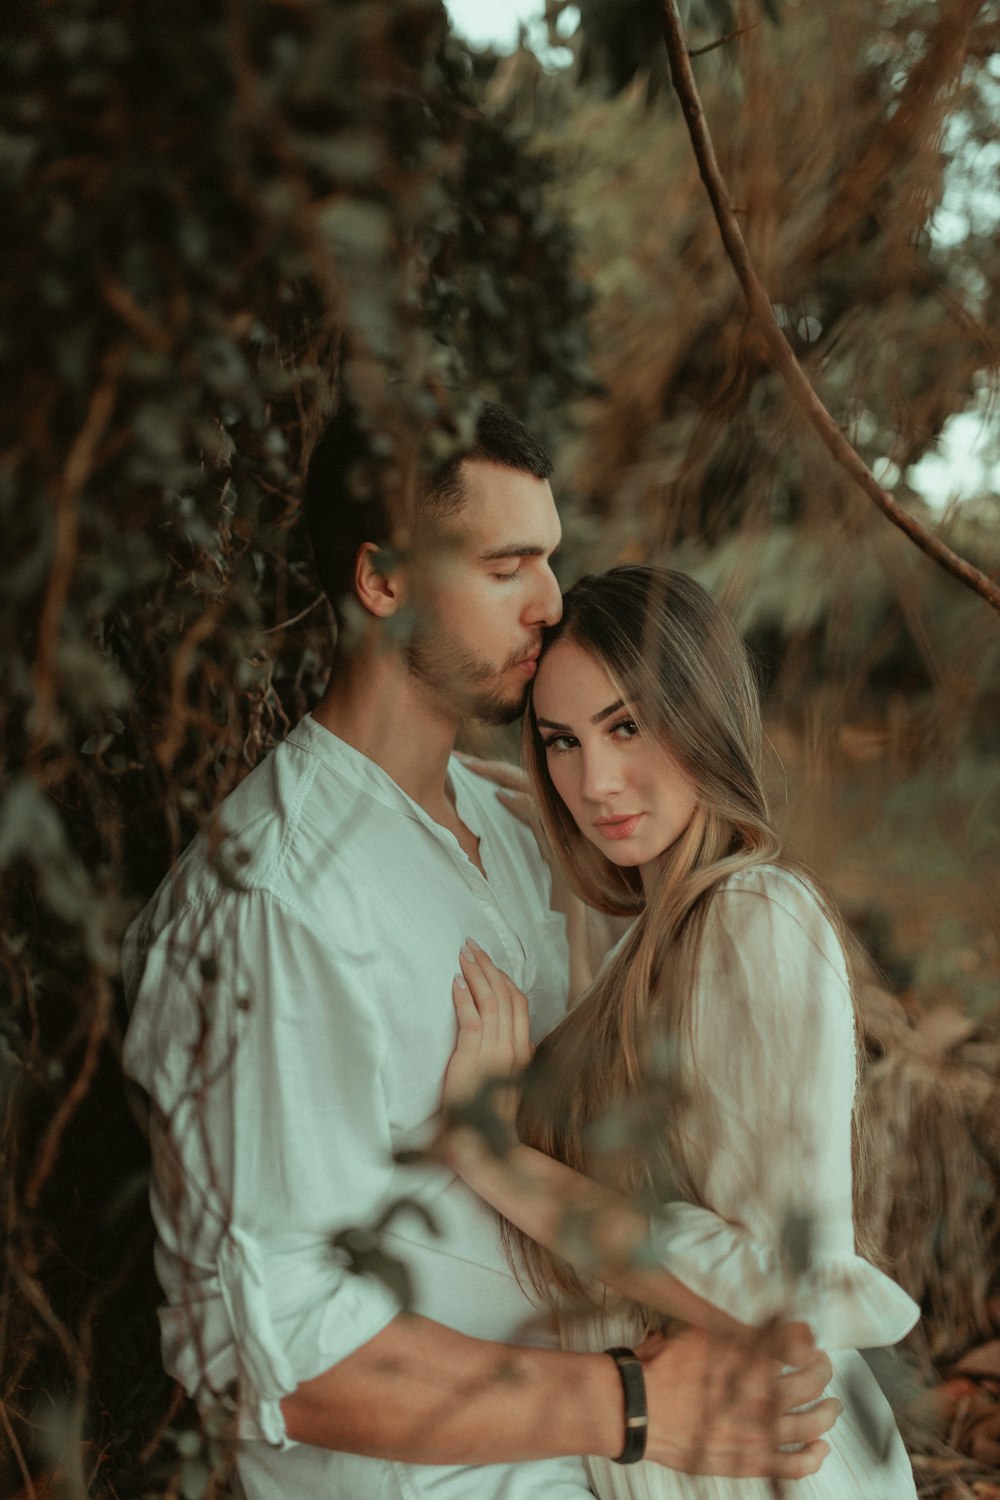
(600, 1096)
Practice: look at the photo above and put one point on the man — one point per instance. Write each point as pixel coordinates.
(292, 1021)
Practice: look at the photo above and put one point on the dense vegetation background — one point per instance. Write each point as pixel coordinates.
(219, 214)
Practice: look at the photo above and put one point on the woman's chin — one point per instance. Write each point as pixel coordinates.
(629, 858)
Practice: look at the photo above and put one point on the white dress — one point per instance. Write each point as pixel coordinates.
(772, 1047)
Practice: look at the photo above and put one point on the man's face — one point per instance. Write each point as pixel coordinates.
(484, 591)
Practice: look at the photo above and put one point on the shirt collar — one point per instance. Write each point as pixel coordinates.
(356, 767)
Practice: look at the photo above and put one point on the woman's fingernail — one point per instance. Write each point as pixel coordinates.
(460, 982)
(471, 943)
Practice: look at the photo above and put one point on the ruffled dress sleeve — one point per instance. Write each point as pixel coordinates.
(771, 1054)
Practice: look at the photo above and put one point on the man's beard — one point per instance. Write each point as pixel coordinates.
(459, 679)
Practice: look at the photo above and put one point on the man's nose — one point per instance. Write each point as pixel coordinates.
(546, 607)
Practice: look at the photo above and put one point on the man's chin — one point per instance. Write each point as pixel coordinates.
(497, 710)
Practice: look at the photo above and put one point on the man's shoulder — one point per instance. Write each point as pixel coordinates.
(245, 839)
(250, 844)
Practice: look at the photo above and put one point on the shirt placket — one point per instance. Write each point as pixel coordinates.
(492, 902)
(509, 953)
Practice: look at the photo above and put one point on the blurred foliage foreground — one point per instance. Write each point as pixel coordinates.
(216, 215)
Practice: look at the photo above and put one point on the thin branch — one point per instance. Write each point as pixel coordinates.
(49, 1149)
(762, 314)
(30, 1493)
(178, 714)
(284, 624)
(79, 462)
(720, 41)
(881, 150)
(146, 328)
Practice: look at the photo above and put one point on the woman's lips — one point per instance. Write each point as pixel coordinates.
(618, 828)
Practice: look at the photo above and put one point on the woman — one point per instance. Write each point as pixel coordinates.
(689, 1145)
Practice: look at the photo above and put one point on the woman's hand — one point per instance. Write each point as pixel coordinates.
(587, 941)
(493, 1045)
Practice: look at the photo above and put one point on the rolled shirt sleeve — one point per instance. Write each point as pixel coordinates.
(261, 1058)
(772, 1066)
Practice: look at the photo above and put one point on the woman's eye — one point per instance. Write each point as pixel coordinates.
(560, 743)
(627, 728)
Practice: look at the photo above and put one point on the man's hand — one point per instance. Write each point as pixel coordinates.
(717, 1406)
(513, 788)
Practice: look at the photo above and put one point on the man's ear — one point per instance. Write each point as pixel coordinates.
(378, 580)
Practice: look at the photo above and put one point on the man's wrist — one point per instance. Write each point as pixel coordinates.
(601, 1407)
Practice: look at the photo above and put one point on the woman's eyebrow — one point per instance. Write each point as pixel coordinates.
(605, 713)
(597, 718)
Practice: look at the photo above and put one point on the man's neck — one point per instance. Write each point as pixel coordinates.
(375, 705)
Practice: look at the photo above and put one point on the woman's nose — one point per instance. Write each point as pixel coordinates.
(601, 776)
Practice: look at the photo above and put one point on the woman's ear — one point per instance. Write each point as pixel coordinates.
(378, 580)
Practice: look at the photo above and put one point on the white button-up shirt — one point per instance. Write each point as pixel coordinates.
(290, 985)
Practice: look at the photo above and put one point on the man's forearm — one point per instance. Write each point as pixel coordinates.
(421, 1393)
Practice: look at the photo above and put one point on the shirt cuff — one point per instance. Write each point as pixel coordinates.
(846, 1301)
(288, 1317)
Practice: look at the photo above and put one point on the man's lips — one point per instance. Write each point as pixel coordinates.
(529, 664)
(618, 827)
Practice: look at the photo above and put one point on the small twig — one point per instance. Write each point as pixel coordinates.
(284, 625)
(720, 41)
(80, 461)
(173, 1407)
(146, 328)
(762, 314)
(177, 718)
(49, 1149)
(30, 1493)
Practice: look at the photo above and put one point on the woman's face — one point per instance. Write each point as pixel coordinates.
(625, 791)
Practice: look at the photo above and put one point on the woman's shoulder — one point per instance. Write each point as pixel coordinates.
(769, 932)
(776, 900)
(777, 882)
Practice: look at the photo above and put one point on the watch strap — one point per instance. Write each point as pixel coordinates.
(636, 1410)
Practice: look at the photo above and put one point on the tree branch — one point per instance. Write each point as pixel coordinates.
(881, 150)
(762, 314)
(720, 41)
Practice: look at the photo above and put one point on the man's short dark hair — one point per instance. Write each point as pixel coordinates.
(345, 505)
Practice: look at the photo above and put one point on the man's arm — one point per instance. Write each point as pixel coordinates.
(422, 1393)
(262, 1066)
